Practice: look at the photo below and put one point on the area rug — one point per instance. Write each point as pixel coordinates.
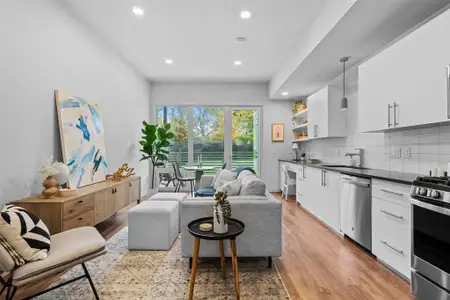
(123, 274)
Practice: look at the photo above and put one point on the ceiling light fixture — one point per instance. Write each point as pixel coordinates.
(284, 94)
(241, 39)
(344, 100)
(238, 63)
(168, 61)
(246, 15)
(138, 11)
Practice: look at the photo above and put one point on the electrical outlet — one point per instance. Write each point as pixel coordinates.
(407, 152)
(396, 152)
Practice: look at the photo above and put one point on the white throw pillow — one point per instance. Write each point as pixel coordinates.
(225, 176)
(216, 177)
(232, 188)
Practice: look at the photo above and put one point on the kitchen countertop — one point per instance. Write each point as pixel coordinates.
(399, 177)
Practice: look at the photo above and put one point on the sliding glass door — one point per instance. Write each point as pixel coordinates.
(217, 135)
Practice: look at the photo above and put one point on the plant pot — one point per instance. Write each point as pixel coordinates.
(220, 226)
(50, 190)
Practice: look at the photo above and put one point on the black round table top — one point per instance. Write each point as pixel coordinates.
(235, 228)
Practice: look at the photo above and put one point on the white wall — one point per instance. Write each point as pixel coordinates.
(255, 94)
(42, 49)
(430, 147)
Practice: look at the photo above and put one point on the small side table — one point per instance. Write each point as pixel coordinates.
(235, 228)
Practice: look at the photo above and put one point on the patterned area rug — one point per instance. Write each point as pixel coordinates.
(123, 274)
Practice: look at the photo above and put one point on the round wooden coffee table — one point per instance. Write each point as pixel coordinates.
(235, 228)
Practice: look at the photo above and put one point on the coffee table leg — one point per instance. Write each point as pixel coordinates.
(194, 267)
(222, 258)
(235, 267)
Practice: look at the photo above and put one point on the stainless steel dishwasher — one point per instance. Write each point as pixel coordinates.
(356, 209)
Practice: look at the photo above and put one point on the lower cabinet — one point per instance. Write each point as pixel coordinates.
(391, 227)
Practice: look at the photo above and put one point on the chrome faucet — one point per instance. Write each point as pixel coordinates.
(358, 152)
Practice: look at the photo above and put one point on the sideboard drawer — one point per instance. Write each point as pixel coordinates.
(85, 219)
(77, 206)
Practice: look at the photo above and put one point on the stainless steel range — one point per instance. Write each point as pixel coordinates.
(430, 260)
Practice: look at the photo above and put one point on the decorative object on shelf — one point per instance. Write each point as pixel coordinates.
(344, 100)
(123, 172)
(205, 226)
(56, 174)
(298, 106)
(301, 106)
(305, 122)
(155, 141)
(82, 139)
(222, 212)
(277, 132)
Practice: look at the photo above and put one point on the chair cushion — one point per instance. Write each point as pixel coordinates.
(205, 192)
(168, 197)
(25, 232)
(68, 248)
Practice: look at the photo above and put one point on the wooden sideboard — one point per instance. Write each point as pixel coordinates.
(89, 207)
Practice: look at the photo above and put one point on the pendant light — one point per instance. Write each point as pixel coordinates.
(344, 100)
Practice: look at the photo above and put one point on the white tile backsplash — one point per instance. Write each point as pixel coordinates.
(430, 147)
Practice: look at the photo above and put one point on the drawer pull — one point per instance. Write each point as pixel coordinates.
(391, 192)
(81, 201)
(392, 215)
(392, 247)
(113, 191)
(79, 219)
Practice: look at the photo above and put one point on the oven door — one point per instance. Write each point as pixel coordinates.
(431, 241)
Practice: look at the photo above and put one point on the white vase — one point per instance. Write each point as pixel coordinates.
(219, 227)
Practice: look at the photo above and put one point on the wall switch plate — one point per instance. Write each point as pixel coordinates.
(407, 152)
(396, 152)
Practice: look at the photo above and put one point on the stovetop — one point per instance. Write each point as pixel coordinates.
(436, 189)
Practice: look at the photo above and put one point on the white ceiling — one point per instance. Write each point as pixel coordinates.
(199, 35)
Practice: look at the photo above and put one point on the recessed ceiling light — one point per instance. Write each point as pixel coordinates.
(237, 63)
(246, 15)
(168, 61)
(138, 11)
(284, 94)
(241, 39)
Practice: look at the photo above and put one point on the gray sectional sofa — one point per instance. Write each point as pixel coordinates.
(262, 217)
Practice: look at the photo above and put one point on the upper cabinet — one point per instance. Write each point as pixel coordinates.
(325, 119)
(407, 84)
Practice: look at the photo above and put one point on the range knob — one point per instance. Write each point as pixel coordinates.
(435, 194)
(423, 191)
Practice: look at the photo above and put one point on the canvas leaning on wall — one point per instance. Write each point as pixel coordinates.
(82, 139)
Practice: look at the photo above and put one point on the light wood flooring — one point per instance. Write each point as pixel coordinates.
(316, 264)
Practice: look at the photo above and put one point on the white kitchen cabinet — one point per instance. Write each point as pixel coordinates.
(330, 200)
(302, 185)
(407, 83)
(391, 225)
(325, 119)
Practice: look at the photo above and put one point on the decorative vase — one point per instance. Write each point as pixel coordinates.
(219, 224)
(50, 190)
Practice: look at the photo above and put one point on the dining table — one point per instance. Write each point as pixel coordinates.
(199, 171)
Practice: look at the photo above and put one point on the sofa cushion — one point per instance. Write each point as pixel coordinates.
(25, 232)
(224, 177)
(205, 192)
(231, 188)
(252, 185)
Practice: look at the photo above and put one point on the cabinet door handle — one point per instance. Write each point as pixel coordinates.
(321, 178)
(130, 184)
(391, 214)
(395, 114)
(81, 201)
(113, 191)
(389, 115)
(391, 192)
(324, 178)
(392, 247)
(79, 219)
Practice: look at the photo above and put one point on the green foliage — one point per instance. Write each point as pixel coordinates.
(155, 141)
(221, 200)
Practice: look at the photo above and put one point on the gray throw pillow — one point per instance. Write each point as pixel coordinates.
(252, 185)
(225, 176)
(232, 188)
(216, 177)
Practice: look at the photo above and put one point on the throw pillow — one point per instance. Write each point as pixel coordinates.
(216, 177)
(225, 176)
(252, 185)
(25, 232)
(231, 188)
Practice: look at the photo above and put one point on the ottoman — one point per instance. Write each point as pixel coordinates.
(153, 225)
(168, 197)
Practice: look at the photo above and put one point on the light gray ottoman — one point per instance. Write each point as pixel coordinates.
(168, 197)
(153, 225)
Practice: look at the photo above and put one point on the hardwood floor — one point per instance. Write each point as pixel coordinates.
(316, 263)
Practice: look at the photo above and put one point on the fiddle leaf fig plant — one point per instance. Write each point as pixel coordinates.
(155, 141)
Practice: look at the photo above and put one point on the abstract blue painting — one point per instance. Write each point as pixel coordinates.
(82, 139)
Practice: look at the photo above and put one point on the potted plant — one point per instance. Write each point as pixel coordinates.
(222, 212)
(155, 141)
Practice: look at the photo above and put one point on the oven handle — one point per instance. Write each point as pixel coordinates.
(435, 208)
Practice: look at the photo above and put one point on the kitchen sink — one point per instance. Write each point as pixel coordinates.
(344, 166)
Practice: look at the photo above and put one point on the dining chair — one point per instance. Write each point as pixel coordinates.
(181, 179)
(289, 180)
